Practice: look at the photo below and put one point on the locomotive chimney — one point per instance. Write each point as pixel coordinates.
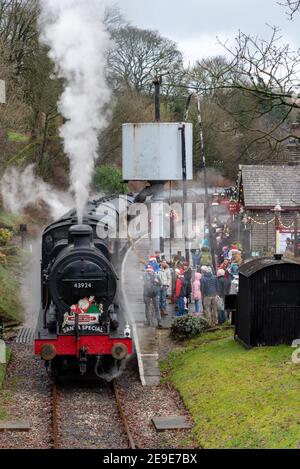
(81, 235)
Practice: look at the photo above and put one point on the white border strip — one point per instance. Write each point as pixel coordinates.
(133, 325)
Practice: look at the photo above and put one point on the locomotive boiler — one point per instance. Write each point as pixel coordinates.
(82, 327)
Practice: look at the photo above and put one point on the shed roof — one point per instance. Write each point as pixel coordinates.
(264, 186)
(250, 268)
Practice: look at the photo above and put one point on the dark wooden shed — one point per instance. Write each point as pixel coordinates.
(268, 303)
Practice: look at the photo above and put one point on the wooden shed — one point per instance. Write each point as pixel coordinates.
(268, 303)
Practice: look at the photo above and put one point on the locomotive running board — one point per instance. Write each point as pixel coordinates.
(25, 336)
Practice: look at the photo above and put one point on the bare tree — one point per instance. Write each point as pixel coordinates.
(265, 74)
(114, 18)
(138, 56)
(18, 29)
(293, 7)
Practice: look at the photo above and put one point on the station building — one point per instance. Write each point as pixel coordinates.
(270, 200)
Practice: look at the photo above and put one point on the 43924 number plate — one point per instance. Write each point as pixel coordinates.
(83, 285)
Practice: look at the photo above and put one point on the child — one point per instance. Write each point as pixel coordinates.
(196, 294)
(180, 293)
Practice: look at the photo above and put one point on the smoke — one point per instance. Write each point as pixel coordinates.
(215, 178)
(30, 278)
(20, 188)
(78, 41)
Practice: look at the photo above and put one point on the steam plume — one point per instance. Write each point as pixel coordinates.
(20, 188)
(76, 35)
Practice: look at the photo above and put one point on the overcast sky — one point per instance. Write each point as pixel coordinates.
(195, 24)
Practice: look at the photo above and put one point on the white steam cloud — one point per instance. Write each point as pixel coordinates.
(78, 41)
(20, 188)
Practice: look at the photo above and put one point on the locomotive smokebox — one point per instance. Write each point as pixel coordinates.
(81, 270)
(81, 236)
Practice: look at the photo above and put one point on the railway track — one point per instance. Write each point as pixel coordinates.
(116, 393)
(86, 416)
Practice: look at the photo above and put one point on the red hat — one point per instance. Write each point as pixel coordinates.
(152, 258)
(150, 268)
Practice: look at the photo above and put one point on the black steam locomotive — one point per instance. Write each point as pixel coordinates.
(81, 326)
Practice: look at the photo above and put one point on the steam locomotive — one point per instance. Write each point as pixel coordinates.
(81, 327)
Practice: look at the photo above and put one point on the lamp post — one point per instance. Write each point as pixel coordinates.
(247, 234)
(245, 220)
(277, 211)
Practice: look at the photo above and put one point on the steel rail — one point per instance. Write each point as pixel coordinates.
(123, 415)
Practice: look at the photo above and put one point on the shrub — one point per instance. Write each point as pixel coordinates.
(5, 236)
(186, 327)
(10, 305)
(109, 179)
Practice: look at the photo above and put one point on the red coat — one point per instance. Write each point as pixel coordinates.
(178, 287)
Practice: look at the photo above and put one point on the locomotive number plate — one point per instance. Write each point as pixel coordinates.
(83, 285)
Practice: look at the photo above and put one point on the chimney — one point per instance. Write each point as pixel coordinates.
(81, 236)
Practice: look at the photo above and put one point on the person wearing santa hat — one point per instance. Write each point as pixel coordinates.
(235, 254)
(180, 292)
(152, 286)
(153, 263)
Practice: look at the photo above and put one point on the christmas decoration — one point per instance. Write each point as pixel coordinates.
(87, 310)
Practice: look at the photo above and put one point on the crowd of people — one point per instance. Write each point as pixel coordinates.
(197, 288)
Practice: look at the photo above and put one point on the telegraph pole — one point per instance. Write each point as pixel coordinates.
(157, 84)
(203, 160)
(184, 188)
(157, 239)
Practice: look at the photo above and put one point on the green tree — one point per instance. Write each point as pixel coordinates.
(109, 179)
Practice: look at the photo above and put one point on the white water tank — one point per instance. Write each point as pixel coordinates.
(153, 151)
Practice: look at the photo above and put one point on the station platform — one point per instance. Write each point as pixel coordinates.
(146, 338)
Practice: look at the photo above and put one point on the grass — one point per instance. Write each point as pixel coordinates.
(3, 413)
(238, 398)
(17, 137)
(10, 307)
(9, 219)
